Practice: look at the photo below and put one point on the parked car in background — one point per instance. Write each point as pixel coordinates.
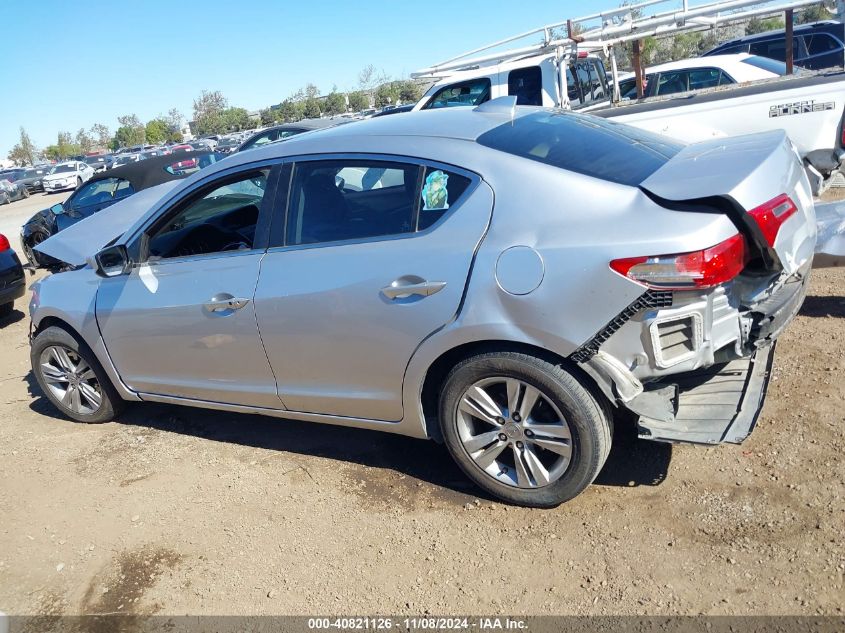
(227, 145)
(69, 175)
(698, 73)
(125, 159)
(182, 147)
(512, 335)
(816, 46)
(101, 191)
(32, 178)
(395, 110)
(12, 191)
(12, 175)
(101, 162)
(286, 130)
(12, 281)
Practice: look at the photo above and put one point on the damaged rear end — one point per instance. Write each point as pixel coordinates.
(693, 355)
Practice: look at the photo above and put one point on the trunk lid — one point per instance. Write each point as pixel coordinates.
(745, 172)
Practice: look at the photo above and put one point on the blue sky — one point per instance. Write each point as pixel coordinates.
(70, 64)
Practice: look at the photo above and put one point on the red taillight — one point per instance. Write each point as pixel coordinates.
(4, 243)
(699, 269)
(772, 215)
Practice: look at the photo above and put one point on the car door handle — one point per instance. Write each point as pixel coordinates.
(400, 289)
(225, 303)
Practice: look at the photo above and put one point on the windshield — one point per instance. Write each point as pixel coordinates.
(584, 144)
(62, 169)
(33, 173)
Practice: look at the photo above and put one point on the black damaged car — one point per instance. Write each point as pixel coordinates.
(102, 190)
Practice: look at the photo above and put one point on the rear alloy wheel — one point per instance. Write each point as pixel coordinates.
(71, 378)
(523, 429)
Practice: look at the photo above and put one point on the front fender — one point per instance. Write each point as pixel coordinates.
(70, 298)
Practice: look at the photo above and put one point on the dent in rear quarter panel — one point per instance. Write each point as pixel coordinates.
(71, 298)
(577, 225)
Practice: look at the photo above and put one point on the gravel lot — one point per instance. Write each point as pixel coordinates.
(174, 510)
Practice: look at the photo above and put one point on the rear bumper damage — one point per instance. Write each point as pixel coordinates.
(696, 369)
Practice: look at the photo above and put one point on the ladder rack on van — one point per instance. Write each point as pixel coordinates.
(618, 26)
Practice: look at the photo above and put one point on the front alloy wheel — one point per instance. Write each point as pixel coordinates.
(71, 380)
(70, 376)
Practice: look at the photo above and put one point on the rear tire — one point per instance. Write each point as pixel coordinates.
(72, 379)
(523, 429)
(6, 309)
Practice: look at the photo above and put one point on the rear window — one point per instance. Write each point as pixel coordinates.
(584, 144)
(764, 63)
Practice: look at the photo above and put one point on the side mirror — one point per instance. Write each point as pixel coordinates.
(57, 209)
(112, 261)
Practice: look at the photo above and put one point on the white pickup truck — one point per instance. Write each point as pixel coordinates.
(809, 106)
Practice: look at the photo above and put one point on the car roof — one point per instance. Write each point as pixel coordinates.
(454, 124)
(729, 63)
(148, 173)
(774, 32)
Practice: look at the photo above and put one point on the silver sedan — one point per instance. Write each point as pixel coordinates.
(504, 280)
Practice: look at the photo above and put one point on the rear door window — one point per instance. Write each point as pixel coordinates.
(820, 43)
(468, 93)
(341, 200)
(702, 78)
(526, 84)
(776, 49)
(355, 199)
(673, 82)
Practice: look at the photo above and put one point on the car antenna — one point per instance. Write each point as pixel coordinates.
(499, 105)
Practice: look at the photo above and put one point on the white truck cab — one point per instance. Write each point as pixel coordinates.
(533, 80)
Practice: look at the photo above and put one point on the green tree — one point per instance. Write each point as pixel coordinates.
(409, 91)
(358, 101)
(757, 25)
(51, 152)
(814, 13)
(208, 112)
(156, 131)
(131, 131)
(235, 119)
(65, 147)
(387, 94)
(335, 103)
(84, 140)
(268, 116)
(101, 135)
(25, 152)
(311, 108)
(291, 111)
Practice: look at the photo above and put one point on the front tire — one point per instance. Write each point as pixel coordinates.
(523, 429)
(72, 379)
(78, 182)
(6, 309)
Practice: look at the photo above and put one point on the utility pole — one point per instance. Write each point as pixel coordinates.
(790, 48)
(638, 68)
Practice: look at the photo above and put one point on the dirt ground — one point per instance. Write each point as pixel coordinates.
(183, 511)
